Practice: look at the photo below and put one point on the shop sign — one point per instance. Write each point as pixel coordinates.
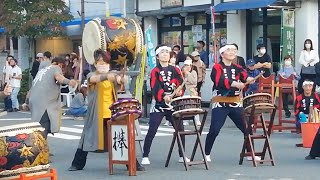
(171, 3)
(288, 39)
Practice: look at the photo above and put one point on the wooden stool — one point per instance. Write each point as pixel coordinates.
(258, 110)
(52, 175)
(177, 120)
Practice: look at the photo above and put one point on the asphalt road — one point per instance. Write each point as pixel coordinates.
(290, 163)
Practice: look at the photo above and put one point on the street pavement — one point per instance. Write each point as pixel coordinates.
(290, 163)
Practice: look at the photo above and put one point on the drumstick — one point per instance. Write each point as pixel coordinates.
(255, 78)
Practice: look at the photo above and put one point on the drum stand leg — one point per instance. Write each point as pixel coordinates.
(52, 175)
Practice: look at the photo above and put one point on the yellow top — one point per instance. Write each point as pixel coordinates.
(106, 99)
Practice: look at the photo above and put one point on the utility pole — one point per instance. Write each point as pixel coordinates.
(82, 15)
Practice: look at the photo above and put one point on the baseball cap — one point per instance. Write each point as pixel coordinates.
(250, 62)
(195, 53)
(40, 55)
(188, 62)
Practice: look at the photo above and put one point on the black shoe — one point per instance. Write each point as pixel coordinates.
(138, 166)
(16, 110)
(10, 110)
(309, 157)
(73, 168)
(288, 114)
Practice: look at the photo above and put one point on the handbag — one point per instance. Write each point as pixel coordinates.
(308, 70)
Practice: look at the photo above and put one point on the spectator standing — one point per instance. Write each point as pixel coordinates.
(6, 73)
(201, 68)
(180, 56)
(239, 60)
(308, 58)
(211, 56)
(263, 60)
(46, 60)
(202, 52)
(35, 65)
(15, 81)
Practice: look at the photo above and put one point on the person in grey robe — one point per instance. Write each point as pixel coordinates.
(46, 60)
(44, 101)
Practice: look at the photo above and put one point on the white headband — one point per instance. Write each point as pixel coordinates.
(224, 48)
(163, 48)
(307, 83)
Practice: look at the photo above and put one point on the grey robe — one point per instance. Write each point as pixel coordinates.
(45, 96)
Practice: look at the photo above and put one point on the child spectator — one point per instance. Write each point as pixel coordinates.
(286, 71)
(252, 72)
(79, 106)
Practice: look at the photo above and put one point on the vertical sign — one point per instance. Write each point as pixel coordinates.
(288, 38)
(214, 34)
(119, 142)
(150, 48)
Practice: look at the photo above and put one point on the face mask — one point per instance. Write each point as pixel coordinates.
(287, 63)
(308, 46)
(102, 68)
(263, 51)
(13, 65)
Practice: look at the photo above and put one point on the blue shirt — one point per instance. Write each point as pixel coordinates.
(204, 57)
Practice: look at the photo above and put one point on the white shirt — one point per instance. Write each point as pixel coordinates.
(15, 71)
(6, 70)
(308, 58)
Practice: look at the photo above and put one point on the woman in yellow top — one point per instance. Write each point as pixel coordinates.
(101, 94)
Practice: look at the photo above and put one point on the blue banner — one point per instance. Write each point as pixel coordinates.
(150, 48)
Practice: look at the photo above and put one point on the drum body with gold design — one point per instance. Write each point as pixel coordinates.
(23, 149)
(258, 99)
(124, 39)
(186, 103)
(123, 107)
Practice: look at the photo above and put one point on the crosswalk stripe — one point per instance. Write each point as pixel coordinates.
(74, 130)
(64, 136)
(160, 128)
(25, 119)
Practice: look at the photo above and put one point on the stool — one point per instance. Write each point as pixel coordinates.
(257, 110)
(52, 175)
(68, 98)
(177, 120)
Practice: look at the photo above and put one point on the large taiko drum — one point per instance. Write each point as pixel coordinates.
(123, 107)
(258, 99)
(23, 149)
(186, 103)
(122, 37)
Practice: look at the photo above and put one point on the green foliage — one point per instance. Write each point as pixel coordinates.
(33, 18)
(24, 86)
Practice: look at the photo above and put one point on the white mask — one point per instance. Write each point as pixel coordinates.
(263, 51)
(308, 46)
(102, 68)
(287, 63)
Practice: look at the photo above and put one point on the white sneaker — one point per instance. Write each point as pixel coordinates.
(208, 158)
(145, 161)
(181, 159)
(257, 158)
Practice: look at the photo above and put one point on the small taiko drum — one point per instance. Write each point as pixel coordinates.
(123, 107)
(258, 99)
(186, 103)
(23, 149)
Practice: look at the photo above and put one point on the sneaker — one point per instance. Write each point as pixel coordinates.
(309, 157)
(181, 159)
(257, 158)
(208, 158)
(145, 161)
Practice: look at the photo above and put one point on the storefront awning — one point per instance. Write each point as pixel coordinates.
(243, 4)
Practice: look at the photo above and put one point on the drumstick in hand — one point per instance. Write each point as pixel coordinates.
(254, 79)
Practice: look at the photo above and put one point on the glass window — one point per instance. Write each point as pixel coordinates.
(257, 16)
(171, 38)
(189, 20)
(201, 19)
(165, 22)
(176, 21)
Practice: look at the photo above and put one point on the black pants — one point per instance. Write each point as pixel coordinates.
(45, 123)
(218, 119)
(154, 123)
(199, 85)
(7, 103)
(311, 77)
(285, 101)
(315, 149)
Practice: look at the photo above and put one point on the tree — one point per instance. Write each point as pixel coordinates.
(33, 19)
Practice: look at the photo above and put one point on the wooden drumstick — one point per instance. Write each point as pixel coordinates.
(255, 78)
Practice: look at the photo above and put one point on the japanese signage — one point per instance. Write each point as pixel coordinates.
(171, 3)
(288, 38)
(150, 48)
(119, 142)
